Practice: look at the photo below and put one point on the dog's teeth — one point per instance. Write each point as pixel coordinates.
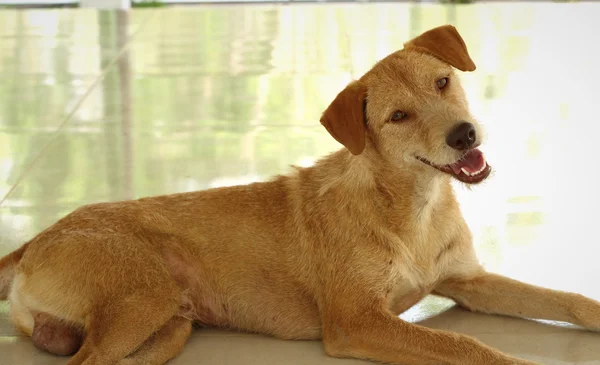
(476, 172)
(483, 167)
(465, 171)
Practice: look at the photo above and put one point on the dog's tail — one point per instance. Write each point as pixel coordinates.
(7, 270)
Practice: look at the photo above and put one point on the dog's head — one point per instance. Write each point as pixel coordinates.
(411, 108)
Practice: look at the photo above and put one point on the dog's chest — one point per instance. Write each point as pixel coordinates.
(421, 259)
(415, 269)
(411, 279)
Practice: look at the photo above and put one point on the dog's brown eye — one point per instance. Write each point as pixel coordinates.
(398, 115)
(441, 83)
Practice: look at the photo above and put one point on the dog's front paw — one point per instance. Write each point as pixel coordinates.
(586, 312)
(512, 360)
(519, 361)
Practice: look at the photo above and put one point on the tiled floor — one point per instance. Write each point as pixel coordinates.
(98, 106)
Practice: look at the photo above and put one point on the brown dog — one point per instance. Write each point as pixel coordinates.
(333, 252)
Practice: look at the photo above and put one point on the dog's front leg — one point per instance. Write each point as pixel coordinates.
(372, 332)
(495, 294)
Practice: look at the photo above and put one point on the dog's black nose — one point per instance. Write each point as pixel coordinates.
(462, 137)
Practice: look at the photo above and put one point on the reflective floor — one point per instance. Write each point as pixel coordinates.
(98, 106)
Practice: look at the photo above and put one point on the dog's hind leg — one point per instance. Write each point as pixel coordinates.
(164, 345)
(118, 329)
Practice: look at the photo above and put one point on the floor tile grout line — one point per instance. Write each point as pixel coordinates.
(69, 116)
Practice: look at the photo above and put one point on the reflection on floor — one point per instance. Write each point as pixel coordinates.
(98, 106)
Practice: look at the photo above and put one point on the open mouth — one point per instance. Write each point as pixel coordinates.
(471, 168)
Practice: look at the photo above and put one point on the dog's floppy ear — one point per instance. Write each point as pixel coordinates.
(344, 118)
(446, 44)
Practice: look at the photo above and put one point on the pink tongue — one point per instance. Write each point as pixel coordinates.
(473, 161)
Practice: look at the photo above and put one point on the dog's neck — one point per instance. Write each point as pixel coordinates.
(392, 183)
(411, 179)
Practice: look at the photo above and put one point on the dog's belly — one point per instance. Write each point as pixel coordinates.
(284, 315)
(253, 302)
